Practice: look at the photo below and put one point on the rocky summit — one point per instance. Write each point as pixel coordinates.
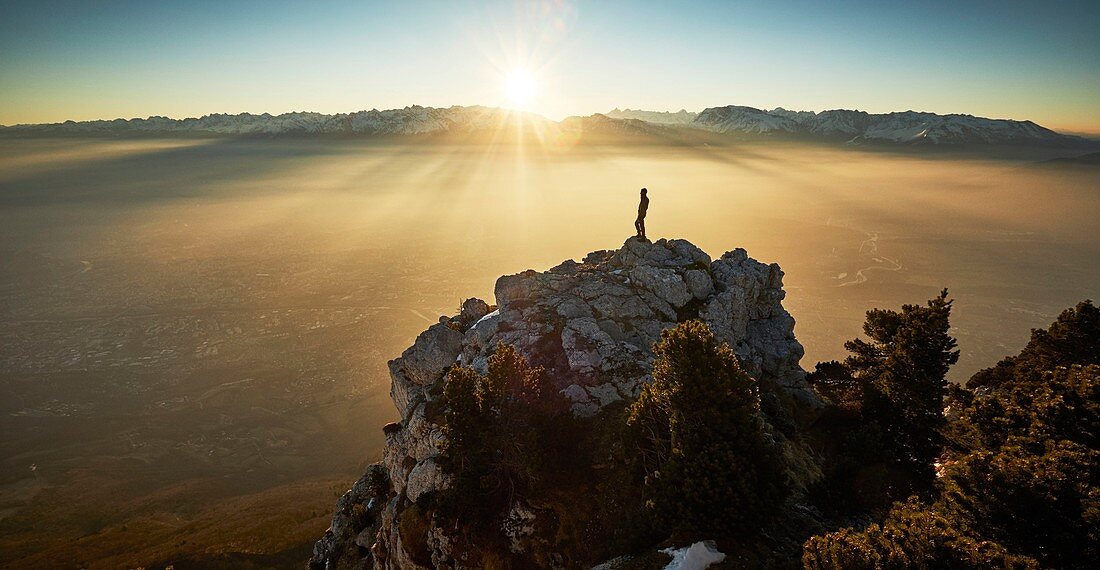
(591, 325)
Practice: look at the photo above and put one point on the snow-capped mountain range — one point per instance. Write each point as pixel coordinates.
(681, 117)
(908, 127)
(856, 126)
(412, 120)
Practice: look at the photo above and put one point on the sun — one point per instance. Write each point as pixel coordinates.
(519, 88)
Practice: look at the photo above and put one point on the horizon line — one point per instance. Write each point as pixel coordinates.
(540, 115)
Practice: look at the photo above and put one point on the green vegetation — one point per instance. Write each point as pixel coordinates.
(500, 431)
(912, 536)
(378, 480)
(916, 473)
(700, 439)
(1072, 339)
(1017, 485)
(689, 455)
(887, 417)
(511, 439)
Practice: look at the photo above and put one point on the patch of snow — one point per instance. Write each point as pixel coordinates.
(482, 319)
(695, 557)
(734, 118)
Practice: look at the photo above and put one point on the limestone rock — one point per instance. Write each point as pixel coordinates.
(666, 284)
(423, 363)
(699, 283)
(471, 311)
(425, 477)
(592, 325)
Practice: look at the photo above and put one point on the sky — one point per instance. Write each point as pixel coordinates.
(80, 60)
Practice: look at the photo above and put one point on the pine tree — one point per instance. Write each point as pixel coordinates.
(912, 536)
(498, 432)
(467, 429)
(1074, 338)
(903, 373)
(1018, 486)
(700, 437)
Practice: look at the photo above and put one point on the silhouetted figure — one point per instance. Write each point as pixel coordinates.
(643, 205)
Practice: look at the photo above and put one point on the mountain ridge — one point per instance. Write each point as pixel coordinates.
(896, 127)
(842, 125)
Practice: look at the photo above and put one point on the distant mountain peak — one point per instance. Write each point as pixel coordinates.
(860, 126)
(852, 126)
(681, 117)
(410, 120)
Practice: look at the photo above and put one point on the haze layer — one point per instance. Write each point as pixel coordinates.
(193, 333)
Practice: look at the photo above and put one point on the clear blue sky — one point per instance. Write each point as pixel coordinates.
(105, 59)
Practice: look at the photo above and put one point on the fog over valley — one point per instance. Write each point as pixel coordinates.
(194, 331)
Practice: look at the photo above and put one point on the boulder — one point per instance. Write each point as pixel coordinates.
(699, 283)
(425, 477)
(471, 310)
(666, 284)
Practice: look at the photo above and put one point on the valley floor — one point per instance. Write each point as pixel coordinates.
(194, 333)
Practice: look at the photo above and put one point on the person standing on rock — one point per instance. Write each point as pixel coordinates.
(639, 224)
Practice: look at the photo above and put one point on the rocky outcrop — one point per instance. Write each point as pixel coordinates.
(591, 325)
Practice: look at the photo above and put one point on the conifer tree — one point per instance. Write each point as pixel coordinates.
(912, 536)
(1018, 486)
(1073, 338)
(903, 372)
(700, 437)
(497, 434)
